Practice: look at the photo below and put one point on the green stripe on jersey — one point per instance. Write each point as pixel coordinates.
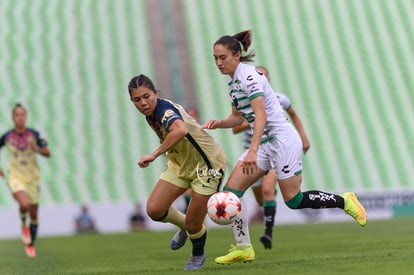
(256, 95)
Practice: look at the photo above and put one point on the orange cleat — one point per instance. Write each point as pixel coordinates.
(26, 235)
(30, 251)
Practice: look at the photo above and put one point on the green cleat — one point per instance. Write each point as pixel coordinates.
(354, 208)
(237, 254)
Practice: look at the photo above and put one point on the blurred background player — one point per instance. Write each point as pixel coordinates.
(264, 189)
(193, 111)
(23, 144)
(195, 160)
(84, 223)
(137, 221)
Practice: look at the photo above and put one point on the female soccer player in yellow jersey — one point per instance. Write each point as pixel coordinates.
(23, 145)
(195, 161)
(275, 143)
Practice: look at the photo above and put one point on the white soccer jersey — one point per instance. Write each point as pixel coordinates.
(283, 100)
(248, 83)
(281, 146)
(248, 134)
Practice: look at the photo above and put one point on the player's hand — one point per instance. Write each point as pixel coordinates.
(249, 164)
(211, 124)
(306, 147)
(1, 173)
(146, 160)
(33, 146)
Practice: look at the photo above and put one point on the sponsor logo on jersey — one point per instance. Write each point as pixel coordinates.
(205, 172)
(235, 102)
(167, 115)
(251, 84)
(285, 169)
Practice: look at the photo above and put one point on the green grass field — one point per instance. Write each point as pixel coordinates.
(382, 247)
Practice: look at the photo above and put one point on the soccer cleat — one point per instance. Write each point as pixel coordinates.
(179, 239)
(266, 241)
(30, 251)
(195, 262)
(26, 235)
(244, 253)
(354, 208)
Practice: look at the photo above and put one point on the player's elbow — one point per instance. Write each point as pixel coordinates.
(184, 131)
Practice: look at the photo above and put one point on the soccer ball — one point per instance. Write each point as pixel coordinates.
(223, 207)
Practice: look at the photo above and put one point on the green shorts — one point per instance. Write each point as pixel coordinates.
(204, 185)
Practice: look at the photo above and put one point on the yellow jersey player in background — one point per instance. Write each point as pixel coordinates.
(23, 144)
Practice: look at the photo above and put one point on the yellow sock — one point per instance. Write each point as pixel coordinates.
(23, 216)
(198, 234)
(175, 217)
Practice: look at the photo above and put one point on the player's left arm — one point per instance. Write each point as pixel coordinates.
(299, 126)
(44, 151)
(39, 145)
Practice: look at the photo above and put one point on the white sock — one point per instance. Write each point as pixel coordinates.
(241, 226)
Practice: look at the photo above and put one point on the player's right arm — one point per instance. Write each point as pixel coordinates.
(176, 132)
(233, 120)
(241, 128)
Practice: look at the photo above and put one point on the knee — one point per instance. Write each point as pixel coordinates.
(155, 213)
(295, 202)
(24, 205)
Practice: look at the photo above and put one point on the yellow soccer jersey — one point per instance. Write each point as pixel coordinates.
(198, 153)
(23, 166)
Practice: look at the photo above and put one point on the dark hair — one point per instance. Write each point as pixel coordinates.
(18, 105)
(141, 80)
(235, 42)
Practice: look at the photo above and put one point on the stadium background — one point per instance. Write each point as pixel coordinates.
(346, 66)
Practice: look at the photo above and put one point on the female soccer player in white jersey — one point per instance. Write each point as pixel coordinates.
(275, 143)
(264, 189)
(195, 160)
(23, 145)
